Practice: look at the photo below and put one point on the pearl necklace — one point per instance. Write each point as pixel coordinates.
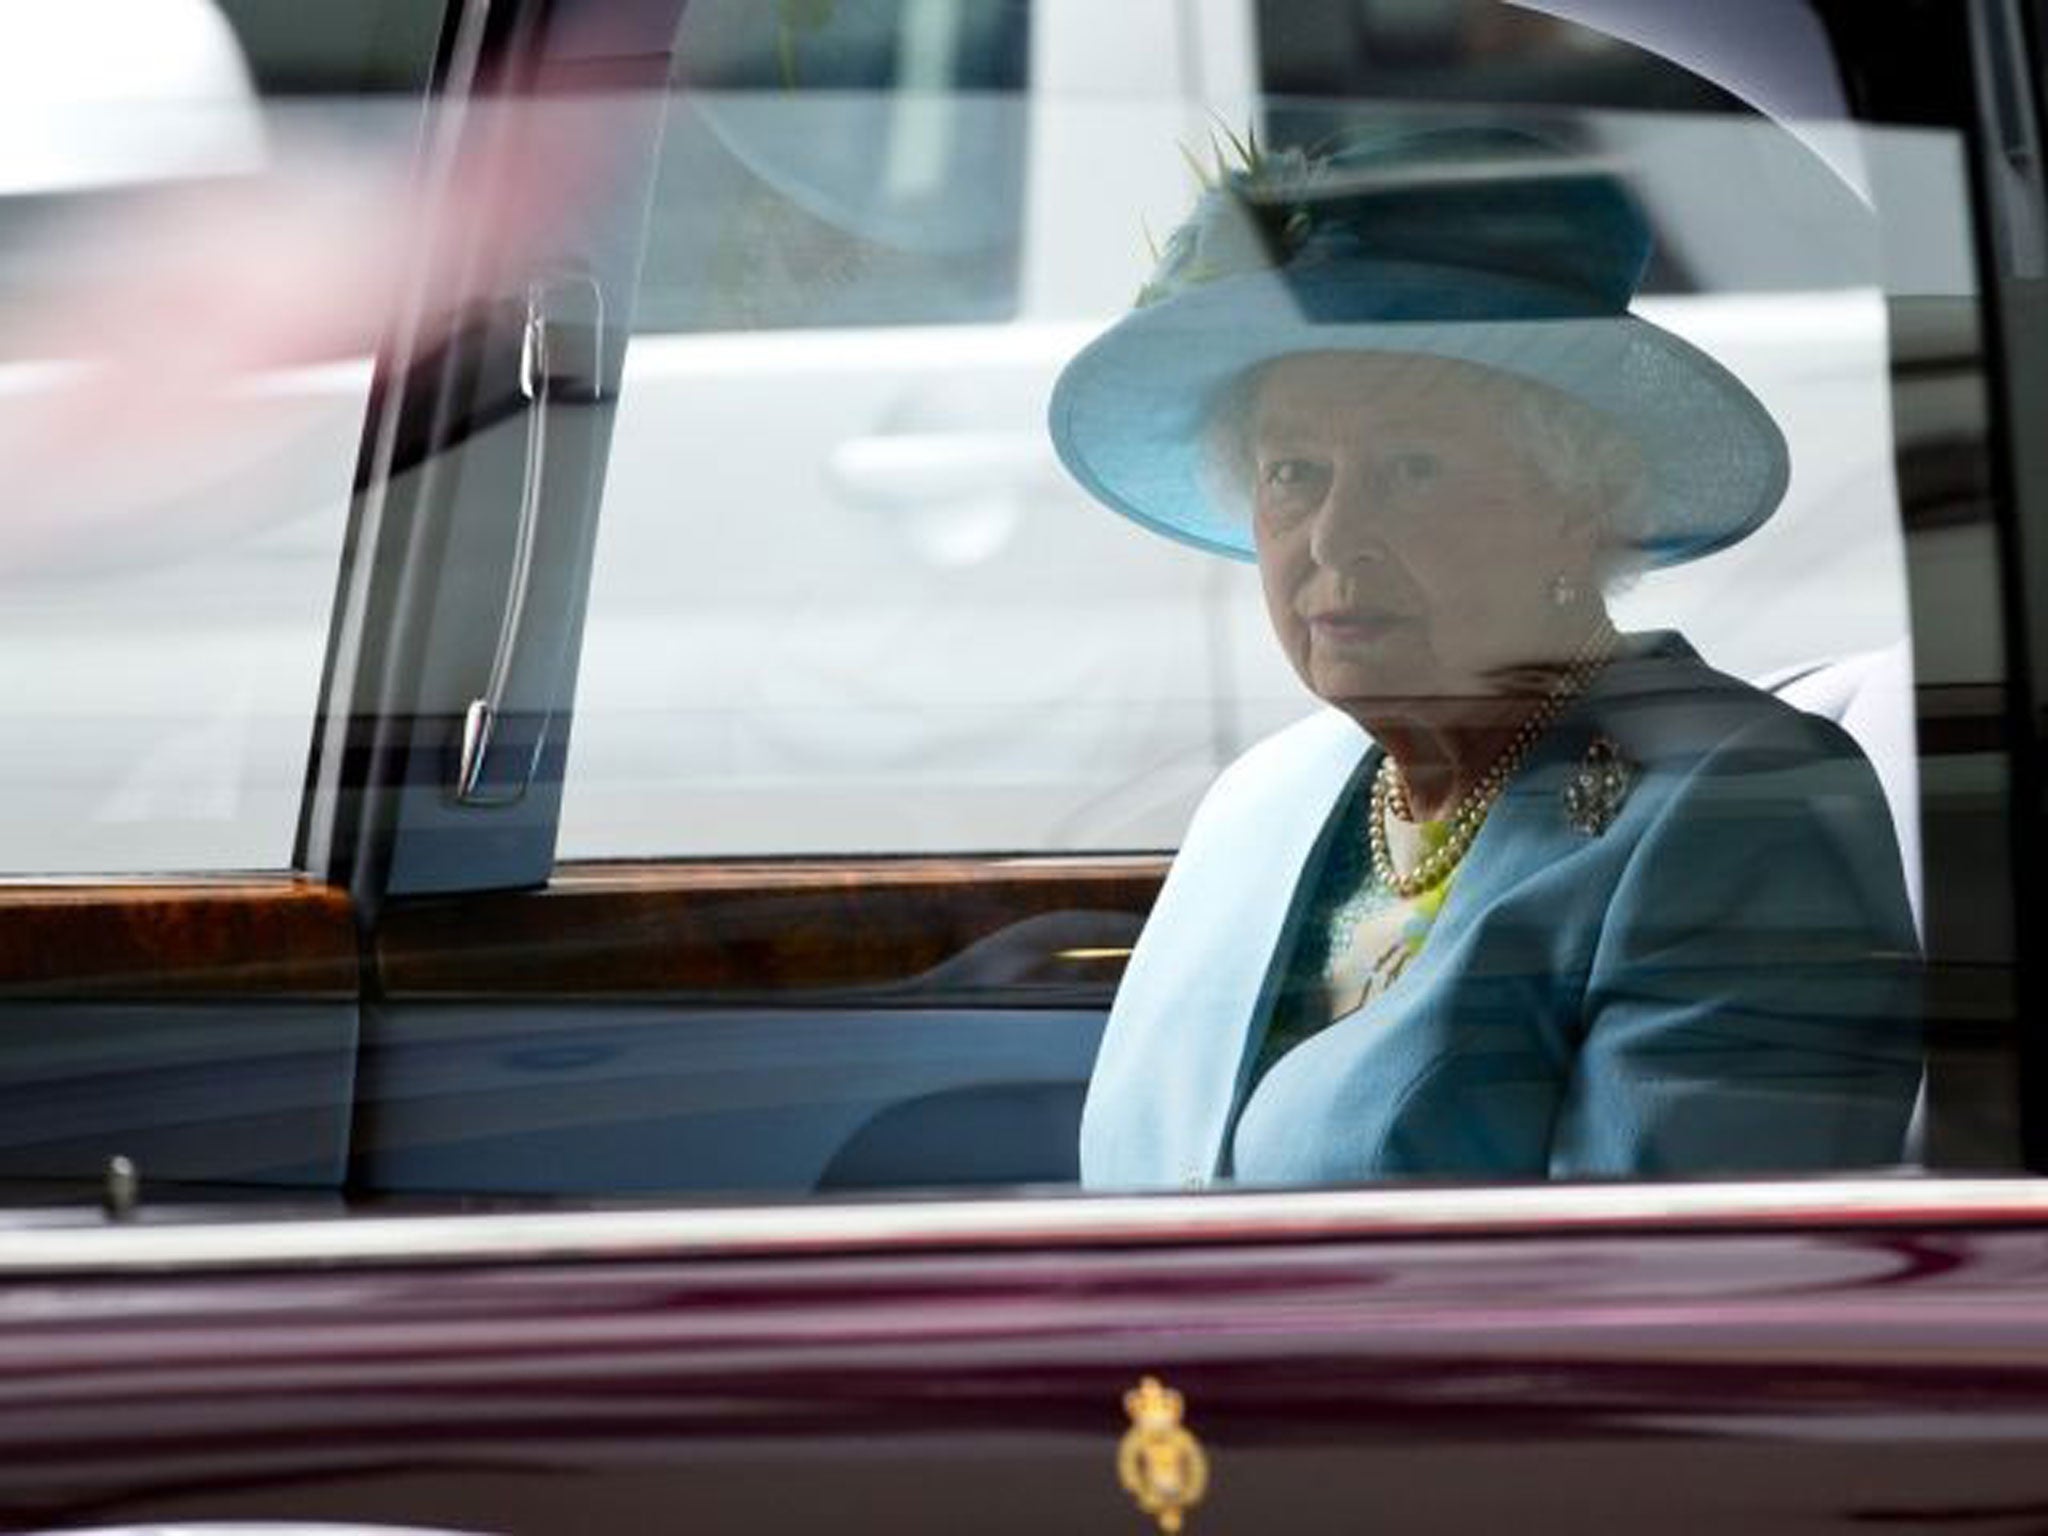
(1465, 818)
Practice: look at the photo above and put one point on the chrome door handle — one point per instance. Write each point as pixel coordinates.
(560, 360)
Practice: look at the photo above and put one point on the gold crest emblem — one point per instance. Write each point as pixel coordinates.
(1161, 1464)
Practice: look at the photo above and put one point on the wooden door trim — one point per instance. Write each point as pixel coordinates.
(242, 937)
(1048, 930)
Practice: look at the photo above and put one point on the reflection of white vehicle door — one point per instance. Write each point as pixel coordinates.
(841, 556)
(126, 526)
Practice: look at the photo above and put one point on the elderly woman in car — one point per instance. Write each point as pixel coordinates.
(1531, 898)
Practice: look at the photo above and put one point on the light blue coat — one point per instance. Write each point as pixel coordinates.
(1724, 980)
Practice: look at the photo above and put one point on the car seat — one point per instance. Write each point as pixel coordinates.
(1870, 695)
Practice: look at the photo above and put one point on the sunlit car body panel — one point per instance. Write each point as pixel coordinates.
(1881, 1366)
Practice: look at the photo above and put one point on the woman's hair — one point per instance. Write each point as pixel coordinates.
(1578, 451)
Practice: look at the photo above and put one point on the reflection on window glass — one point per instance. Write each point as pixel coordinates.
(844, 164)
(785, 675)
(196, 202)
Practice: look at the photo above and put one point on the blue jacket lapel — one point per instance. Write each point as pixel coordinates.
(1180, 1035)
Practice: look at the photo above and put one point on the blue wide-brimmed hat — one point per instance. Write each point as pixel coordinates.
(1478, 245)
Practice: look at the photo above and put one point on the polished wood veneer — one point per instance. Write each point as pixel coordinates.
(264, 937)
(1050, 930)
(1046, 929)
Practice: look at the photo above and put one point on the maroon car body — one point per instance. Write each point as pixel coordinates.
(1846, 1355)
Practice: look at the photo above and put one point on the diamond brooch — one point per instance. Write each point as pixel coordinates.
(1593, 795)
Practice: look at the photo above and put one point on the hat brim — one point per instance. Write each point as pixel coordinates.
(1130, 413)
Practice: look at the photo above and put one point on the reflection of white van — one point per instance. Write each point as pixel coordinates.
(838, 553)
(835, 551)
(892, 588)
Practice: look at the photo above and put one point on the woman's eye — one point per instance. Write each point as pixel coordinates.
(1294, 479)
(1290, 489)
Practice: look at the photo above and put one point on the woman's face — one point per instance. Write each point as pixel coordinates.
(1409, 549)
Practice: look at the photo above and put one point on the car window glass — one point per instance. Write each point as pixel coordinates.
(193, 219)
(1658, 449)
